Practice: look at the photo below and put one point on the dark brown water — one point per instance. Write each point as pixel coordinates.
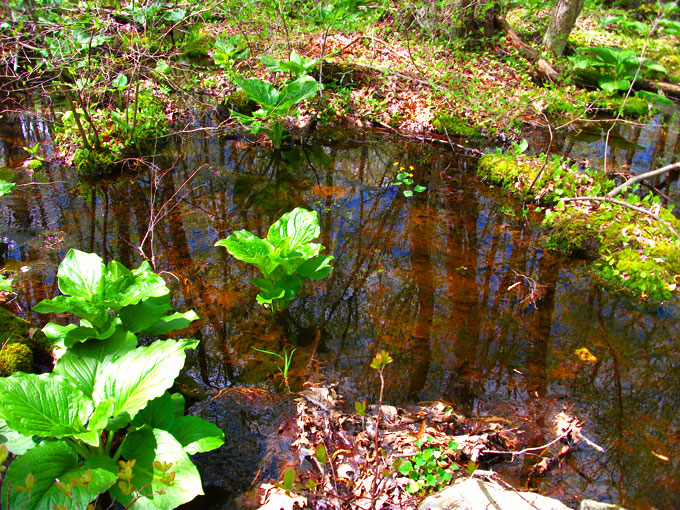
(441, 280)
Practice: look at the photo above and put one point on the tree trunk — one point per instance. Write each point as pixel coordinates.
(473, 19)
(562, 21)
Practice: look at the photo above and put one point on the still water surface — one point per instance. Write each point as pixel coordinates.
(441, 280)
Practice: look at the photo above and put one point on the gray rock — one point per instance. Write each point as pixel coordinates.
(591, 504)
(475, 494)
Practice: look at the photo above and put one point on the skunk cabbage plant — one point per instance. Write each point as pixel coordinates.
(285, 257)
(104, 419)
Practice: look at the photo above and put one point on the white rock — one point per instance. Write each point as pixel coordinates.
(591, 504)
(475, 494)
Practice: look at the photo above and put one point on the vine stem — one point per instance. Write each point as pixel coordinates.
(374, 486)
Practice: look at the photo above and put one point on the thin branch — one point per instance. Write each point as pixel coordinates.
(642, 177)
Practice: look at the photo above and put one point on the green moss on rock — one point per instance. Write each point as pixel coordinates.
(13, 328)
(454, 126)
(573, 234)
(632, 251)
(14, 358)
(238, 101)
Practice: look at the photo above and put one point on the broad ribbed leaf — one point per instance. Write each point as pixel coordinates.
(259, 91)
(82, 363)
(146, 446)
(196, 434)
(140, 316)
(273, 65)
(316, 268)
(247, 247)
(76, 305)
(299, 226)
(55, 332)
(171, 323)
(147, 284)
(158, 414)
(141, 375)
(80, 274)
(16, 443)
(296, 91)
(43, 405)
(268, 291)
(51, 462)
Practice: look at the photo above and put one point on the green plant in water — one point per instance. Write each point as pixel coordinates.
(430, 469)
(104, 420)
(285, 257)
(297, 65)
(287, 360)
(275, 105)
(109, 298)
(404, 179)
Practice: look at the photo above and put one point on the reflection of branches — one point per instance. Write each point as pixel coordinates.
(158, 214)
(536, 290)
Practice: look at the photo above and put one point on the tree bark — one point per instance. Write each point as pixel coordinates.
(562, 21)
(474, 19)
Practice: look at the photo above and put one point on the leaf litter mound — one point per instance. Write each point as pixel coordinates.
(338, 466)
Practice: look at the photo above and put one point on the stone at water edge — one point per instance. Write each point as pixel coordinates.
(591, 504)
(475, 494)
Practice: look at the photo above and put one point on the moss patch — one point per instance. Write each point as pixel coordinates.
(238, 101)
(632, 107)
(552, 178)
(454, 126)
(632, 251)
(15, 358)
(12, 328)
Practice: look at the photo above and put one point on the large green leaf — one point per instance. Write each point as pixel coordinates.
(296, 91)
(6, 187)
(83, 362)
(80, 274)
(76, 305)
(298, 226)
(146, 446)
(142, 315)
(196, 434)
(171, 323)
(158, 413)
(43, 405)
(249, 248)
(316, 268)
(16, 443)
(259, 91)
(49, 463)
(146, 284)
(141, 375)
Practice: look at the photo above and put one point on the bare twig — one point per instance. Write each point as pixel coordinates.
(642, 177)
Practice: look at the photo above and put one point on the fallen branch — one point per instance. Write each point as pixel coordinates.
(639, 209)
(642, 177)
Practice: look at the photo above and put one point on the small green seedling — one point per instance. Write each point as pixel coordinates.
(430, 469)
(286, 358)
